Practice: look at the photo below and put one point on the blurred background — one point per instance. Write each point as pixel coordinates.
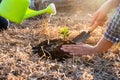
(68, 5)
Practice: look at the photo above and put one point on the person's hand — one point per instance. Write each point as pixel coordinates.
(99, 17)
(79, 49)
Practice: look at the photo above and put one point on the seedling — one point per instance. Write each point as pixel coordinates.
(64, 32)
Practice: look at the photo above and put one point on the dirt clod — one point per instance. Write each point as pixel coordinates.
(52, 50)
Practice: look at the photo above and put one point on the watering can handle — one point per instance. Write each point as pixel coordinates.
(93, 28)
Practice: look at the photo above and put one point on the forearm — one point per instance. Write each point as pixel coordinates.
(103, 45)
(108, 5)
(114, 3)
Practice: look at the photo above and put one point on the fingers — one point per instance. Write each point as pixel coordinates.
(72, 48)
(94, 18)
(101, 20)
(78, 50)
(98, 19)
(74, 54)
(80, 43)
(77, 54)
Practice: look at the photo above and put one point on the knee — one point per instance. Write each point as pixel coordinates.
(4, 23)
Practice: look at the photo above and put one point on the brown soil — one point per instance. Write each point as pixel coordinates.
(52, 50)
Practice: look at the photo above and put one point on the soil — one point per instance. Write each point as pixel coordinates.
(52, 50)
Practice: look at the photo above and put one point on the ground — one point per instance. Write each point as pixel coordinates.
(18, 62)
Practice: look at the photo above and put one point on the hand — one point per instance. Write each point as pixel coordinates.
(99, 18)
(79, 49)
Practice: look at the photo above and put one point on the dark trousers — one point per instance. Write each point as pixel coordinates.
(3, 23)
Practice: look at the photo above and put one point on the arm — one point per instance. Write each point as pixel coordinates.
(110, 4)
(103, 45)
(115, 3)
(110, 37)
(100, 15)
(84, 49)
(99, 19)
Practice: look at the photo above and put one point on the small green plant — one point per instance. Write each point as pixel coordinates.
(64, 32)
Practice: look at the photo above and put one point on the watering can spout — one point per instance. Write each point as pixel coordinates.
(51, 9)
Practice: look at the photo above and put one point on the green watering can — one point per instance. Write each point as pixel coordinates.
(18, 10)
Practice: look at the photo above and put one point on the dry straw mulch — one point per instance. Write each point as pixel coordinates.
(17, 62)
